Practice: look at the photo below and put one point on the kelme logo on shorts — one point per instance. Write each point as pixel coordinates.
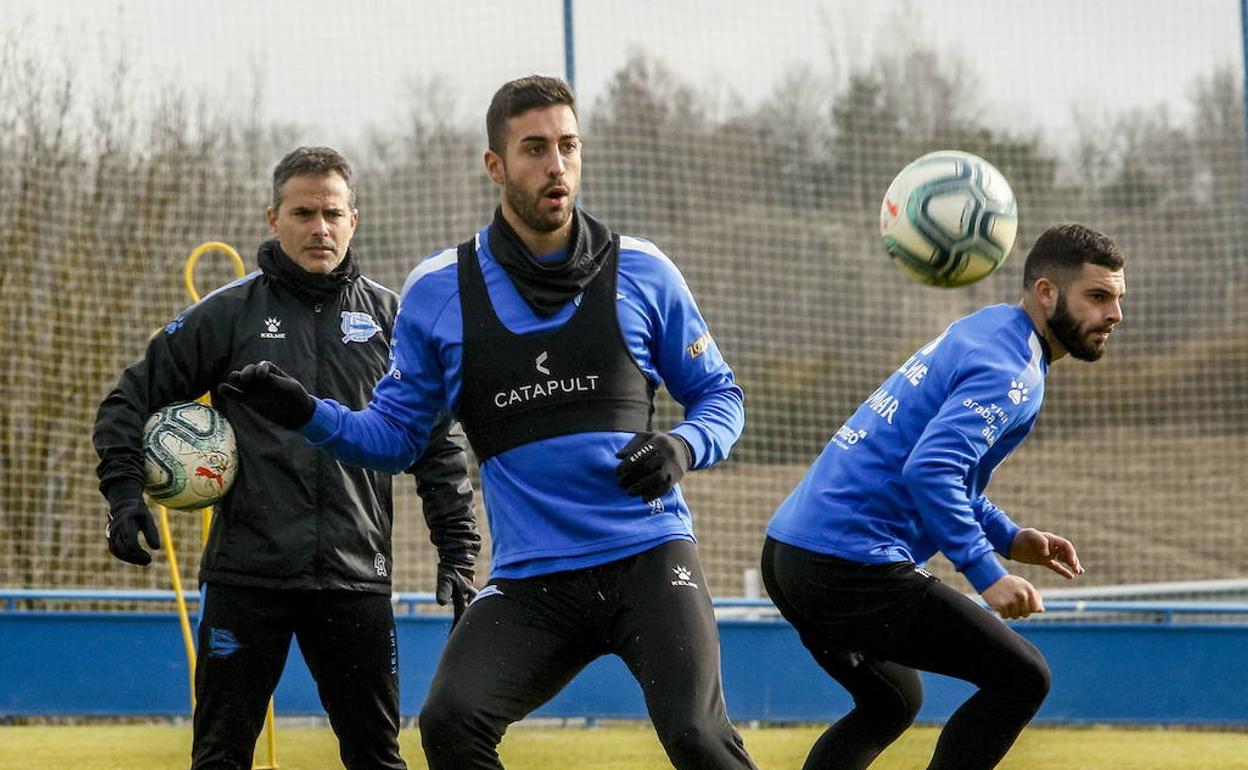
(684, 577)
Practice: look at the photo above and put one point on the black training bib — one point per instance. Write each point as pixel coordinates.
(577, 378)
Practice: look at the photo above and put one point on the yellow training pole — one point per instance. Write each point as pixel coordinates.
(271, 741)
(184, 618)
(188, 271)
(188, 279)
(179, 598)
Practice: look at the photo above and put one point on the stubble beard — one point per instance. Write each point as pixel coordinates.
(529, 209)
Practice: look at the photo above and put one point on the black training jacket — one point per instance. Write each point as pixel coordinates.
(295, 517)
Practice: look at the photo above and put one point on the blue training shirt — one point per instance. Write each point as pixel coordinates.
(904, 476)
(553, 504)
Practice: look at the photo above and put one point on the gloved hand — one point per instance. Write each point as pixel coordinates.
(454, 587)
(652, 463)
(272, 393)
(126, 518)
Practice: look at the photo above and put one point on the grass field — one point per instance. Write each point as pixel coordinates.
(625, 747)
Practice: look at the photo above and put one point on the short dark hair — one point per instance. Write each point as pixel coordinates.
(519, 96)
(311, 161)
(1062, 250)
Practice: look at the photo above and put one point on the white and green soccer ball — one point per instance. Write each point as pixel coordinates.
(949, 219)
(190, 456)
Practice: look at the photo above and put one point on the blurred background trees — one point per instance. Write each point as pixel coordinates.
(769, 209)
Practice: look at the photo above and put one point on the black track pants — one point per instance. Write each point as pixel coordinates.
(521, 641)
(874, 626)
(348, 641)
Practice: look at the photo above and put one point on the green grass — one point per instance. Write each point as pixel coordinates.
(625, 747)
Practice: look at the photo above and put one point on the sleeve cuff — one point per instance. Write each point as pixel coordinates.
(1001, 534)
(693, 439)
(122, 489)
(323, 424)
(984, 572)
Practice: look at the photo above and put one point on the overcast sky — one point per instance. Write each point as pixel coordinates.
(333, 67)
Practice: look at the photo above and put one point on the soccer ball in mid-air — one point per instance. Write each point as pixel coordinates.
(190, 456)
(949, 219)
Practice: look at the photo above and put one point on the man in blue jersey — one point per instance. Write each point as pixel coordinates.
(547, 335)
(903, 478)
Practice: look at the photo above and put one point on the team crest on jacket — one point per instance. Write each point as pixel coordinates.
(358, 327)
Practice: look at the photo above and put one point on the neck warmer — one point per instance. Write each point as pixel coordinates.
(547, 288)
(312, 288)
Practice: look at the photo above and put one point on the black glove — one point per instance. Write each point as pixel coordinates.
(272, 393)
(128, 517)
(454, 587)
(652, 463)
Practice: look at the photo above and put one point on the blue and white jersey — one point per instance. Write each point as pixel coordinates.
(904, 476)
(552, 504)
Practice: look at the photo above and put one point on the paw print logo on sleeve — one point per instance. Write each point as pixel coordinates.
(1018, 392)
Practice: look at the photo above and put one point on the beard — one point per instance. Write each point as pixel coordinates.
(1073, 335)
(529, 208)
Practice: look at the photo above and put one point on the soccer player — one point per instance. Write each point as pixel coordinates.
(904, 477)
(301, 545)
(547, 335)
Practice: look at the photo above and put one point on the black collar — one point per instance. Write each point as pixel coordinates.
(312, 288)
(548, 287)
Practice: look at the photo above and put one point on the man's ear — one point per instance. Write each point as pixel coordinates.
(1047, 293)
(495, 168)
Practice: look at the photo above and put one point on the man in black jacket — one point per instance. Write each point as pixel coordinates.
(301, 545)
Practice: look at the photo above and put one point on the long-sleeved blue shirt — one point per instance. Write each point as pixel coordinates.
(904, 476)
(552, 504)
